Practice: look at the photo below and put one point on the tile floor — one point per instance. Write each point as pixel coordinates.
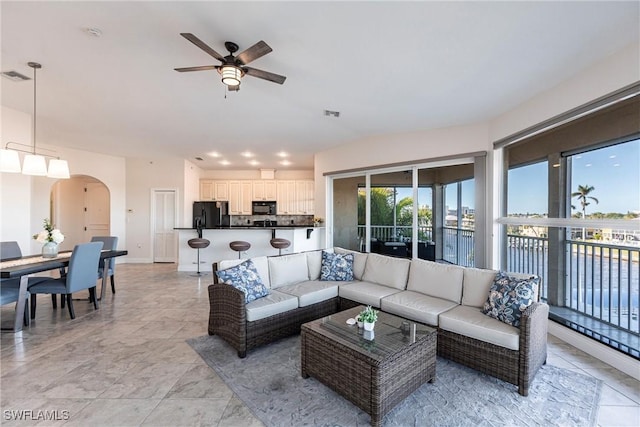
(127, 364)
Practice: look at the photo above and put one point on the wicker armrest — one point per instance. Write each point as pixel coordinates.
(533, 342)
(227, 314)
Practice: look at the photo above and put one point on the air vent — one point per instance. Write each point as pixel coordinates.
(332, 113)
(15, 76)
(199, 158)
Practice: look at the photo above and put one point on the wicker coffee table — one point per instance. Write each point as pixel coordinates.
(374, 372)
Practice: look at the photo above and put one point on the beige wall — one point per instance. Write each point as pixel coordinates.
(23, 196)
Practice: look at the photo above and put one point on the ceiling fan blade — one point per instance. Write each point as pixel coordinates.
(201, 68)
(254, 52)
(202, 45)
(272, 77)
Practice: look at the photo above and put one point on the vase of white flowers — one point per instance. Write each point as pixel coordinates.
(51, 237)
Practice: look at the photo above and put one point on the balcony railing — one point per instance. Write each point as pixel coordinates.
(602, 280)
(395, 233)
(458, 246)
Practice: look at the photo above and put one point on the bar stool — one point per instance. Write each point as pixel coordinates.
(279, 243)
(198, 243)
(239, 246)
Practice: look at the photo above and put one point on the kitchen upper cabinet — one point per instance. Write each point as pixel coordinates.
(240, 197)
(305, 197)
(286, 198)
(214, 190)
(265, 190)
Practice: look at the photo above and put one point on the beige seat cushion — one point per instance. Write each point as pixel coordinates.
(260, 262)
(470, 321)
(365, 293)
(475, 286)
(314, 264)
(416, 306)
(274, 303)
(311, 292)
(288, 269)
(387, 271)
(359, 261)
(436, 280)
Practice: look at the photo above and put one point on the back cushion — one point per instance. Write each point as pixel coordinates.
(260, 262)
(475, 286)
(387, 271)
(436, 280)
(288, 269)
(314, 263)
(359, 261)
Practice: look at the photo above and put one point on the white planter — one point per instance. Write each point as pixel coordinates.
(369, 326)
(360, 324)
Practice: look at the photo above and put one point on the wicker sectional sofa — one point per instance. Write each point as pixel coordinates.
(448, 297)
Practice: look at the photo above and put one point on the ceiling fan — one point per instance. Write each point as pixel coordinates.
(233, 68)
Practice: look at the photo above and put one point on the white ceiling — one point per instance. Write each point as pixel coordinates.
(386, 66)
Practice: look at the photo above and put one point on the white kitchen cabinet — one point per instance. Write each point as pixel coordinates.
(305, 197)
(286, 198)
(214, 190)
(265, 190)
(240, 195)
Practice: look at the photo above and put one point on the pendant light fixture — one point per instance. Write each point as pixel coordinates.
(34, 163)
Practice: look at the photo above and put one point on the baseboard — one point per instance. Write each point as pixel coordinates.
(616, 359)
(128, 260)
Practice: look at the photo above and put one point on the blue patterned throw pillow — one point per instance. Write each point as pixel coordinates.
(244, 277)
(336, 267)
(509, 297)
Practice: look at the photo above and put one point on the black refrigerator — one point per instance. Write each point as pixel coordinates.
(210, 214)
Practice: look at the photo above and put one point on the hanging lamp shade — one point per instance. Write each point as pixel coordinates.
(58, 169)
(9, 161)
(34, 164)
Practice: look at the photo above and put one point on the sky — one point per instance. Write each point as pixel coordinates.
(614, 172)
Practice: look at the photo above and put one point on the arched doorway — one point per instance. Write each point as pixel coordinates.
(81, 206)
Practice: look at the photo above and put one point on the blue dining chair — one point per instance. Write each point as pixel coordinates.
(109, 243)
(10, 288)
(81, 275)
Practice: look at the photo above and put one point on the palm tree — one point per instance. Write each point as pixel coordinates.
(583, 197)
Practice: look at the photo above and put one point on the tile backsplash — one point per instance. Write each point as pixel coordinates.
(299, 220)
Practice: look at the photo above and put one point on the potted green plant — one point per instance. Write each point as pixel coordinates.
(368, 316)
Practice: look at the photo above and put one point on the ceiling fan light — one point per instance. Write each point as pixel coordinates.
(34, 164)
(231, 75)
(9, 161)
(58, 169)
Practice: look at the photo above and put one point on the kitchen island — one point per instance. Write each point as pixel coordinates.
(302, 238)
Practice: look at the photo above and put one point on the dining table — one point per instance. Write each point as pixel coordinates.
(24, 266)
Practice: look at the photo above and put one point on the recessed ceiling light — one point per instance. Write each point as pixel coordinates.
(246, 154)
(283, 154)
(588, 165)
(285, 162)
(213, 154)
(95, 32)
(225, 162)
(254, 162)
(613, 156)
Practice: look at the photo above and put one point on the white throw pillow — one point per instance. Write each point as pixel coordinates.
(288, 269)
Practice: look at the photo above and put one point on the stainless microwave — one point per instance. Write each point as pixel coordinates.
(263, 208)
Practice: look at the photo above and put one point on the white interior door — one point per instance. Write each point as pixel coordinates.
(165, 248)
(97, 212)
